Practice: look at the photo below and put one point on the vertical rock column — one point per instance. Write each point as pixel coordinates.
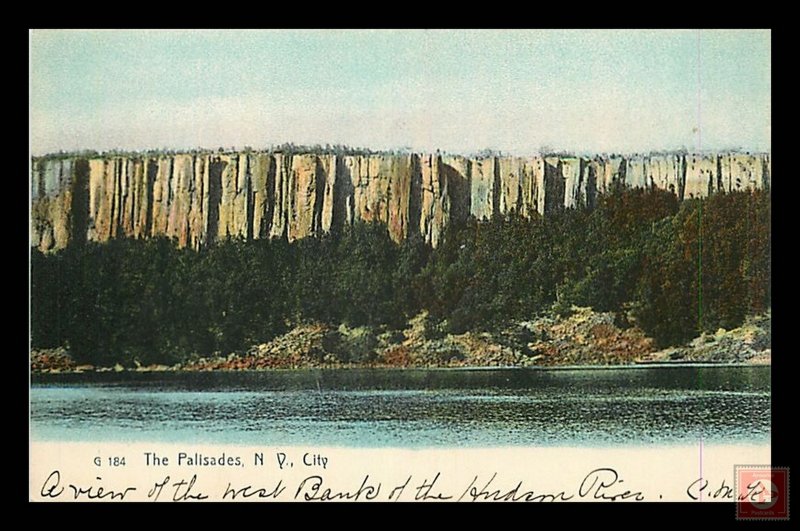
(179, 201)
(205, 199)
(700, 177)
(198, 203)
(51, 208)
(375, 195)
(233, 200)
(240, 209)
(127, 197)
(725, 169)
(136, 200)
(303, 219)
(530, 175)
(351, 177)
(434, 199)
(39, 223)
(329, 165)
(60, 213)
(263, 193)
(456, 170)
(743, 171)
(613, 175)
(280, 212)
(588, 188)
(540, 170)
(553, 185)
(401, 178)
(484, 189)
(571, 174)
(358, 170)
(114, 179)
(374, 179)
(510, 176)
(99, 207)
(161, 196)
(636, 172)
(664, 172)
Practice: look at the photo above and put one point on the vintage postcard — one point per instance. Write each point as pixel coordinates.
(402, 265)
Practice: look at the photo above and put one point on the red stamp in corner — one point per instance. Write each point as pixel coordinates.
(762, 492)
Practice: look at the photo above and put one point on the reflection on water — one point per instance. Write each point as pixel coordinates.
(410, 408)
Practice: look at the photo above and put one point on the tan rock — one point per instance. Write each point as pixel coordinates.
(530, 185)
(455, 171)
(161, 196)
(665, 172)
(179, 200)
(303, 201)
(636, 172)
(280, 214)
(138, 200)
(484, 187)
(200, 198)
(741, 171)
(98, 216)
(327, 171)
(701, 175)
(351, 177)
(435, 203)
(227, 205)
(613, 173)
(262, 175)
(401, 177)
(241, 201)
(197, 203)
(510, 176)
(553, 186)
(574, 189)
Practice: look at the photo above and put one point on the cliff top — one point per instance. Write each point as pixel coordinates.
(342, 150)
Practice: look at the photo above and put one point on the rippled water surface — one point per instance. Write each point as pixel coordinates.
(410, 408)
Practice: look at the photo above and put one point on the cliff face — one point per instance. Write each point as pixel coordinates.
(200, 198)
(52, 191)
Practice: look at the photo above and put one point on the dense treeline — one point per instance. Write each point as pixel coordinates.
(675, 269)
(288, 147)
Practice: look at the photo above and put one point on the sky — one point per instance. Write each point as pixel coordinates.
(515, 91)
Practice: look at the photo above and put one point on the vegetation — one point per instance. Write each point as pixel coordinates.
(288, 148)
(673, 269)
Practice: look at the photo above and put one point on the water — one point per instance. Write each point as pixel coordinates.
(410, 408)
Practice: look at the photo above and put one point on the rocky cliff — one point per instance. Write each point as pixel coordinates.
(199, 198)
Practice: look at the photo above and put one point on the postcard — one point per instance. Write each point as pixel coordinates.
(402, 265)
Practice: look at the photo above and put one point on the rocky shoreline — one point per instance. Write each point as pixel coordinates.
(582, 338)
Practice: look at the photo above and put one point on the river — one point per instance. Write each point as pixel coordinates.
(409, 408)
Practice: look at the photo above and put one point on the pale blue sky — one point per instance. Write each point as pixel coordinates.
(460, 91)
